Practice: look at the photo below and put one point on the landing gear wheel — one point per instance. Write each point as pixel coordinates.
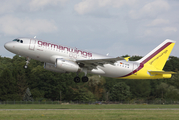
(84, 79)
(25, 66)
(77, 79)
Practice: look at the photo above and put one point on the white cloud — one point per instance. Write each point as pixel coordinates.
(40, 4)
(116, 3)
(10, 25)
(7, 6)
(170, 29)
(12, 6)
(157, 22)
(150, 9)
(156, 6)
(87, 6)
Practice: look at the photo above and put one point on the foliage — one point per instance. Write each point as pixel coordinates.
(139, 88)
(8, 91)
(172, 64)
(166, 91)
(96, 86)
(45, 84)
(120, 92)
(82, 94)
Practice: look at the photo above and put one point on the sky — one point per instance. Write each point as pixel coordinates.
(117, 27)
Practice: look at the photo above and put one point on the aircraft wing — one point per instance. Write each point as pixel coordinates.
(161, 72)
(92, 63)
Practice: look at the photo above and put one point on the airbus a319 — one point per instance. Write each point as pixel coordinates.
(63, 59)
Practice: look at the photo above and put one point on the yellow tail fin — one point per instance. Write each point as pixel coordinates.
(159, 55)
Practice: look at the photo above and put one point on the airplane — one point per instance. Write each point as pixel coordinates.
(63, 59)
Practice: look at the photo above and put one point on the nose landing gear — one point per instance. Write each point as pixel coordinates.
(27, 62)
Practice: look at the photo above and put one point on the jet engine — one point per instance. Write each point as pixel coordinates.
(51, 67)
(66, 65)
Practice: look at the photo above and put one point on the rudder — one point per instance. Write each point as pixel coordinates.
(158, 56)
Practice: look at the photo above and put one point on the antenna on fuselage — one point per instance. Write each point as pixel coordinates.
(34, 36)
(107, 54)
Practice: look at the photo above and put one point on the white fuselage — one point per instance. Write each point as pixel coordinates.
(48, 53)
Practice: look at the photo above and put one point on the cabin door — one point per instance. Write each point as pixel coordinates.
(32, 44)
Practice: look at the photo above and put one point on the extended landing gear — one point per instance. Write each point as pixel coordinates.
(84, 79)
(25, 66)
(27, 62)
(77, 79)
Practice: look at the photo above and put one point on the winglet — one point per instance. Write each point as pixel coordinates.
(127, 58)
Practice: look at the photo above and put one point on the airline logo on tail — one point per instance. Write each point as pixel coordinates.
(159, 55)
(152, 64)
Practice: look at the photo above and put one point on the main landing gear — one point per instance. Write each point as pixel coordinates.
(84, 78)
(27, 62)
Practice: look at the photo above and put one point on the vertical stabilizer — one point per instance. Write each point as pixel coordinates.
(158, 56)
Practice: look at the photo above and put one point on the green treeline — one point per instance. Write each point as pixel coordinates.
(47, 85)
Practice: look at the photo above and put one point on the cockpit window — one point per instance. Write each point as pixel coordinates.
(16, 40)
(21, 41)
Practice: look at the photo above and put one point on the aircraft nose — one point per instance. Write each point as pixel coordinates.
(7, 46)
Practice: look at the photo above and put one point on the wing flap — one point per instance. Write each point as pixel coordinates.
(92, 63)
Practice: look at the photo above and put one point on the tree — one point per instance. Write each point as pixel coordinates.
(139, 88)
(18, 73)
(82, 94)
(134, 58)
(8, 89)
(172, 64)
(174, 80)
(96, 86)
(153, 87)
(120, 91)
(166, 91)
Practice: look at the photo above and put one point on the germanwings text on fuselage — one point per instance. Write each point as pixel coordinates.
(60, 47)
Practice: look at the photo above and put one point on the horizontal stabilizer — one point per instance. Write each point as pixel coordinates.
(160, 72)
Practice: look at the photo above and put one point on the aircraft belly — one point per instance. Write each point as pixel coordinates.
(114, 71)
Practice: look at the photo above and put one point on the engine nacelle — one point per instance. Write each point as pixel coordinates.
(66, 65)
(51, 67)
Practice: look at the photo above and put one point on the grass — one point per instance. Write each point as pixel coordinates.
(89, 115)
(88, 112)
(86, 106)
